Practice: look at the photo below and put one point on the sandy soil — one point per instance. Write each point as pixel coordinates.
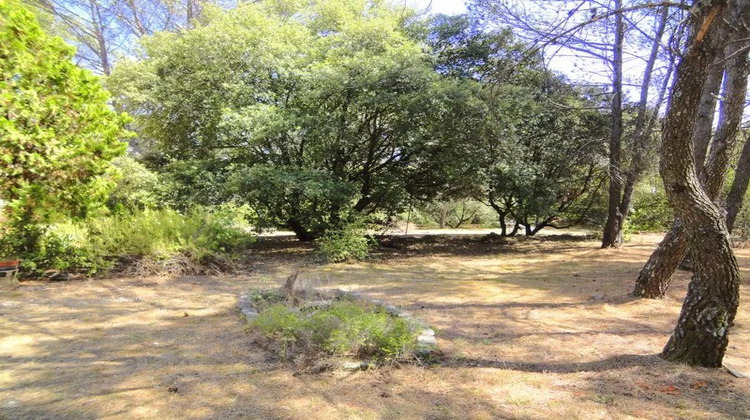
(531, 329)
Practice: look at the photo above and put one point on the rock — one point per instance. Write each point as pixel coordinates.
(58, 276)
(354, 366)
(426, 339)
(246, 307)
(734, 371)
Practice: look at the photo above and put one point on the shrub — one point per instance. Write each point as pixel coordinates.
(344, 328)
(650, 212)
(58, 132)
(136, 187)
(342, 244)
(95, 245)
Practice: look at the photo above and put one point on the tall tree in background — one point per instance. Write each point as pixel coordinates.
(334, 114)
(540, 150)
(106, 30)
(610, 34)
(701, 335)
(740, 183)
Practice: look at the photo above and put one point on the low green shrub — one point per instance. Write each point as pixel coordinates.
(650, 211)
(95, 245)
(344, 328)
(348, 243)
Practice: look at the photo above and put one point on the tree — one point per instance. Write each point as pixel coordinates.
(539, 151)
(57, 133)
(339, 107)
(105, 30)
(611, 35)
(739, 185)
(544, 156)
(708, 312)
(654, 279)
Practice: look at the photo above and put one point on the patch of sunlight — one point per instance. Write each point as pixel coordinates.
(19, 345)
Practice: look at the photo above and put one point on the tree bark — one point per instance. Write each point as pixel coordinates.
(643, 126)
(300, 231)
(730, 117)
(612, 236)
(654, 279)
(739, 186)
(708, 312)
(704, 123)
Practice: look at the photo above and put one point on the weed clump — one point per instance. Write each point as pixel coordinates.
(350, 242)
(337, 328)
(138, 242)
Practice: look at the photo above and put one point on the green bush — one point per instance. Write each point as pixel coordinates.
(93, 246)
(343, 329)
(136, 186)
(650, 211)
(348, 243)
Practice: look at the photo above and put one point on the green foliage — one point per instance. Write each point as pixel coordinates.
(338, 108)
(350, 242)
(650, 211)
(136, 186)
(58, 135)
(547, 164)
(538, 144)
(307, 201)
(96, 244)
(193, 182)
(343, 328)
(741, 230)
(456, 213)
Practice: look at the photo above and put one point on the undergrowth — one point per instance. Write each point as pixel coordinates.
(140, 241)
(343, 328)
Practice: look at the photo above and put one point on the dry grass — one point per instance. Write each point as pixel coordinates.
(529, 330)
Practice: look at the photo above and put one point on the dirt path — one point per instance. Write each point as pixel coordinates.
(534, 330)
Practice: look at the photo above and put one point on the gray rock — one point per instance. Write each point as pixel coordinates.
(427, 338)
(246, 307)
(354, 366)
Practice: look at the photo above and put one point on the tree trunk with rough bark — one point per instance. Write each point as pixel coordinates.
(612, 236)
(654, 278)
(704, 123)
(708, 312)
(739, 186)
(643, 126)
(299, 230)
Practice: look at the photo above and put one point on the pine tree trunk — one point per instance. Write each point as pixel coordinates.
(300, 231)
(612, 235)
(739, 186)
(655, 276)
(708, 312)
(704, 123)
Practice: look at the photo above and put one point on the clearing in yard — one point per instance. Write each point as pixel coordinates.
(530, 329)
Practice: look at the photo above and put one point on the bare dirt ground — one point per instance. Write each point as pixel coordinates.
(530, 329)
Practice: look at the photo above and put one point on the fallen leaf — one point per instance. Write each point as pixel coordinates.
(699, 385)
(670, 389)
(642, 385)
